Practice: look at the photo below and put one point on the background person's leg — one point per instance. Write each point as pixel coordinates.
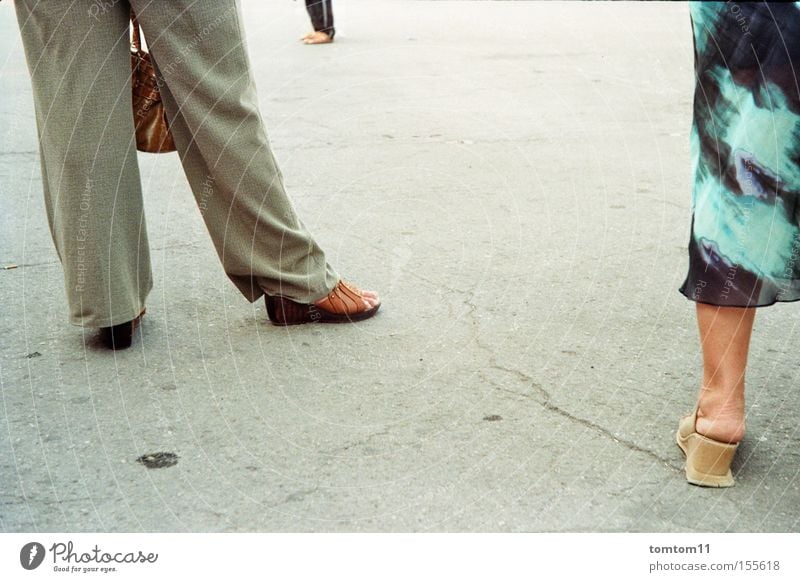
(725, 339)
(79, 61)
(211, 100)
(321, 14)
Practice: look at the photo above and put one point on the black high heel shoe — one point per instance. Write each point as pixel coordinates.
(119, 337)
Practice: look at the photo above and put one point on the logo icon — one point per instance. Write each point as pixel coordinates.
(31, 555)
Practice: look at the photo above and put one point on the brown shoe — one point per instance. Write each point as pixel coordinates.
(119, 337)
(342, 305)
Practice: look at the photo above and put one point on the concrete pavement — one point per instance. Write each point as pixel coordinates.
(514, 178)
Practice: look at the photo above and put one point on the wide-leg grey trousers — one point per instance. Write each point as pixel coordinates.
(79, 60)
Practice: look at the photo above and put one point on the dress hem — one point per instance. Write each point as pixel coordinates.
(774, 302)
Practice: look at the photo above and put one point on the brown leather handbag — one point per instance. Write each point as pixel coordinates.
(149, 117)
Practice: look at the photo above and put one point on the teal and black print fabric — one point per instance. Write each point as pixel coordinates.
(744, 249)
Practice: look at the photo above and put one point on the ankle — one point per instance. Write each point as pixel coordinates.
(719, 398)
(721, 415)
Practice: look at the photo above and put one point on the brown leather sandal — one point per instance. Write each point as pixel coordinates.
(344, 304)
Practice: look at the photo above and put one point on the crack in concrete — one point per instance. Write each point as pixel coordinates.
(545, 396)
(362, 442)
(17, 499)
(546, 404)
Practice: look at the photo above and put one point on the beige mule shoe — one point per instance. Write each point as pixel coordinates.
(708, 462)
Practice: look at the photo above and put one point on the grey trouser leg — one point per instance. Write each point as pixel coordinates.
(199, 48)
(80, 73)
(78, 53)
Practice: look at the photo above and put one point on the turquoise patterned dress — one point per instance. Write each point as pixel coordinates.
(744, 249)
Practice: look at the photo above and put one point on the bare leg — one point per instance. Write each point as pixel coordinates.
(725, 339)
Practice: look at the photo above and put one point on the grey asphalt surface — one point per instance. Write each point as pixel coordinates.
(514, 178)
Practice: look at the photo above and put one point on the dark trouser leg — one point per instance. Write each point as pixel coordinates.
(321, 13)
